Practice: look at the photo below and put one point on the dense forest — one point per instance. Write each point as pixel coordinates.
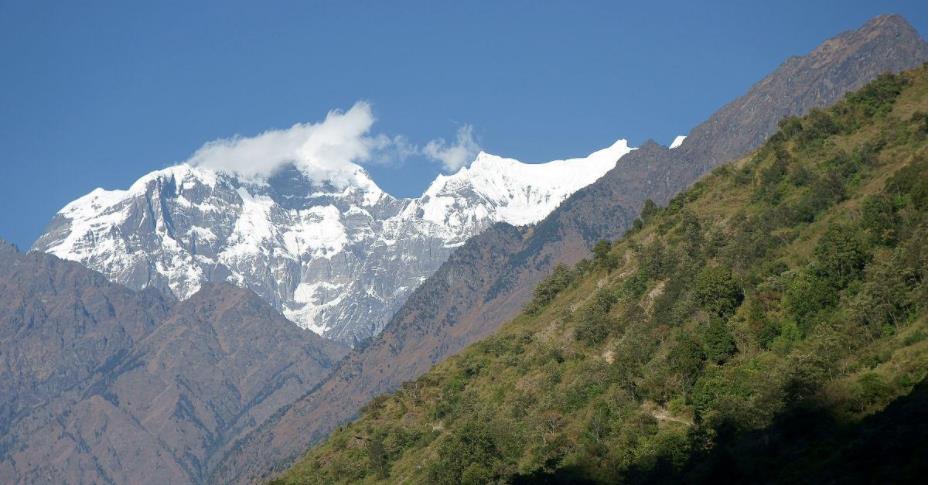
(768, 325)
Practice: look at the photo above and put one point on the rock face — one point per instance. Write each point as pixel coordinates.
(103, 384)
(338, 259)
(488, 280)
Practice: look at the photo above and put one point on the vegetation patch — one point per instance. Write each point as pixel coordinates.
(774, 314)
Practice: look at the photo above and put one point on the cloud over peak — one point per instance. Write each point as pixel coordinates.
(323, 150)
(329, 150)
(455, 155)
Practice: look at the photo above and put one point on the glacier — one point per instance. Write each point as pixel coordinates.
(335, 258)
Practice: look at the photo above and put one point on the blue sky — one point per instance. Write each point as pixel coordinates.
(99, 93)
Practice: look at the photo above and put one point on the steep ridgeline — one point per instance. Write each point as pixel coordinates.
(768, 324)
(103, 384)
(488, 280)
(335, 257)
(607, 208)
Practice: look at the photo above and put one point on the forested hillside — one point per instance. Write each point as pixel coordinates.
(488, 280)
(769, 324)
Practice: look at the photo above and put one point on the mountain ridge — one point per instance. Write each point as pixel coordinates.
(100, 383)
(775, 307)
(336, 258)
(490, 291)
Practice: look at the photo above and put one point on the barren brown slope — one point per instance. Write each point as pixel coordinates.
(61, 326)
(488, 281)
(102, 384)
(221, 363)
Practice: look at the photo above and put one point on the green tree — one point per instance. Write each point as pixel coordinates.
(603, 257)
(717, 292)
(884, 298)
(840, 255)
(693, 233)
(655, 260)
(546, 291)
(470, 452)
(808, 294)
(718, 343)
(377, 455)
(879, 219)
(878, 96)
(686, 358)
(649, 209)
(594, 322)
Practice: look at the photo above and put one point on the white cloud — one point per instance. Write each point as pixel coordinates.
(328, 150)
(456, 155)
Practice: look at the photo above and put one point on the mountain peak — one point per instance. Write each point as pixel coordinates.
(678, 140)
(507, 190)
(179, 174)
(489, 161)
(651, 144)
(889, 20)
(313, 241)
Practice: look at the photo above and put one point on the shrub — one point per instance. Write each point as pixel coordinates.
(718, 344)
(686, 358)
(790, 126)
(594, 322)
(655, 260)
(649, 209)
(717, 292)
(818, 125)
(909, 184)
(770, 178)
(870, 389)
(879, 219)
(840, 255)
(878, 96)
(806, 295)
(377, 455)
(470, 453)
(692, 232)
(549, 288)
(885, 297)
(603, 257)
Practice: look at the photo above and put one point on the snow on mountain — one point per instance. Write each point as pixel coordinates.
(677, 141)
(338, 259)
(506, 190)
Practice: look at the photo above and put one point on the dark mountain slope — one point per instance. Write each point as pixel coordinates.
(373, 370)
(220, 364)
(61, 326)
(788, 285)
(102, 384)
(488, 281)
(607, 208)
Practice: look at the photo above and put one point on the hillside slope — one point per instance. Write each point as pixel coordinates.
(487, 281)
(103, 384)
(710, 343)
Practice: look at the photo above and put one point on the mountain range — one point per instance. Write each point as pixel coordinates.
(336, 257)
(103, 384)
(488, 280)
(205, 327)
(767, 325)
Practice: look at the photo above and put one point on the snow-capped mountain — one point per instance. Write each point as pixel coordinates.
(337, 258)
